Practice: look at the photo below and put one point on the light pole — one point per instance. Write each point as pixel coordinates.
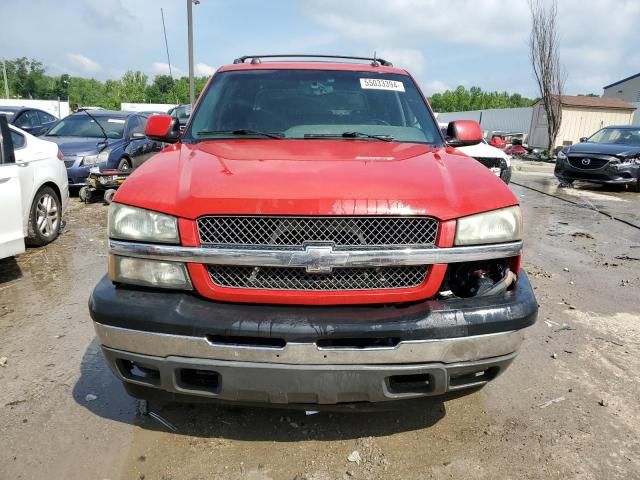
(192, 94)
(6, 83)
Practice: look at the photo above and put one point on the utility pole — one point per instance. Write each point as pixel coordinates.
(166, 44)
(192, 94)
(6, 83)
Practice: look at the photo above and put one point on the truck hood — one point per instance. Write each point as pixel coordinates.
(613, 149)
(313, 177)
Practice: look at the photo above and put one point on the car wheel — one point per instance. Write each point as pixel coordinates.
(124, 164)
(108, 195)
(83, 194)
(505, 175)
(45, 218)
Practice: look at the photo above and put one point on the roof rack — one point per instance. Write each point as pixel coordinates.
(256, 59)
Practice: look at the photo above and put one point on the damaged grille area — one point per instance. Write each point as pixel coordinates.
(275, 278)
(587, 163)
(295, 232)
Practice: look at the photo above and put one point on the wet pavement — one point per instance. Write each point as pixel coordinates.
(569, 406)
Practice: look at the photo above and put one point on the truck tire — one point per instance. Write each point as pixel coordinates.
(45, 218)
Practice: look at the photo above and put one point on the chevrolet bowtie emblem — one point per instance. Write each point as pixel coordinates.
(319, 258)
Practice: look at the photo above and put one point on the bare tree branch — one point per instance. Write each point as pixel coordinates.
(545, 60)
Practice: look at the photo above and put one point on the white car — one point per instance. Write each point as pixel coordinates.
(491, 157)
(34, 190)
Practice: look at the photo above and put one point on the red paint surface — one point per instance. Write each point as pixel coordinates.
(312, 177)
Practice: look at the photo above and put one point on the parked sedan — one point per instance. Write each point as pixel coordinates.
(31, 120)
(33, 190)
(610, 156)
(104, 139)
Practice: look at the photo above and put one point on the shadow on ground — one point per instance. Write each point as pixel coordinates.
(9, 270)
(210, 420)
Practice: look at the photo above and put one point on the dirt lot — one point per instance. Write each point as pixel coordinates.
(569, 407)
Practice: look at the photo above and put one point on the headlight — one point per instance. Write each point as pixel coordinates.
(629, 161)
(149, 273)
(562, 155)
(131, 223)
(504, 225)
(93, 159)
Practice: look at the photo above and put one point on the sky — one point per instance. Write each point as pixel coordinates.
(443, 43)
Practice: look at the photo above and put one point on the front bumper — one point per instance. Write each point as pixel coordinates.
(609, 174)
(306, 355)
(77, 176)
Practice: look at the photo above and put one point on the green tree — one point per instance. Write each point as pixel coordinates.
(134, 86)
(461, 99)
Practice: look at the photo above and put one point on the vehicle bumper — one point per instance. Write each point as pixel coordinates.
(299, 355)
(609, 174)
(77, 176)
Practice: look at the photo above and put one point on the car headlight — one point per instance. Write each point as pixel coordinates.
(131, 223)
(503, 225)
(629, 161)
(93, 159)
(562, 155)
(149, 273)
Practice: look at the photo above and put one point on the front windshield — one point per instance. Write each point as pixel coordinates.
(314, 104)
(85, 126)
(620, 136)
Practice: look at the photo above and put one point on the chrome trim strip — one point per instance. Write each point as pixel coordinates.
(449, 350)
(315, 258)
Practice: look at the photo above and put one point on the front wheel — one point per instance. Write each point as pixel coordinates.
(505, 175)
(108, 195)
(124, 164)
(45, 218)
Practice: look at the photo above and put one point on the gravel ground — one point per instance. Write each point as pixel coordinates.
(567, 408)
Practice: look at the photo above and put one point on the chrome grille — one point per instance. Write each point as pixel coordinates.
(275, 278)
(576, 162)
(295, 232)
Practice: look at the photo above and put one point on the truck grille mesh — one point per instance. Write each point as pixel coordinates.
(274, 278)
(294, 232)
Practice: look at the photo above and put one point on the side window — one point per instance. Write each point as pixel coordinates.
(28, 119)
(17, 139)
(46, 118)
(136, 125)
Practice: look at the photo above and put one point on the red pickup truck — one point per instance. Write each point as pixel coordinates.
(311, 238)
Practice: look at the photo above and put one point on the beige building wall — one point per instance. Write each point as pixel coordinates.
(582, 122)
(577, 122)
(629, 90)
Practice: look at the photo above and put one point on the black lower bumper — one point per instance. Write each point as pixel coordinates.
(607, 175)
(181, 313)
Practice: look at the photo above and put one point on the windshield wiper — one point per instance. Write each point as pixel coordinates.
(384, 138)
(106, 138)
(241, 131)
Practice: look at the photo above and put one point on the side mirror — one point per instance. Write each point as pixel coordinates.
(6, 144)
(463, 133)
(162, 128)
(583, 139)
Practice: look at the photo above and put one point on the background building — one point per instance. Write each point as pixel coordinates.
(627, 89)
(581, 117)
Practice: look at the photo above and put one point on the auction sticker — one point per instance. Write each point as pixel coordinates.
(381, 84)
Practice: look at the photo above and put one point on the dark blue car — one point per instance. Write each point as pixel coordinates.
(104, 139)
(610, 156)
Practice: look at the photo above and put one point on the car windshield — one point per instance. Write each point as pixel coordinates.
(304, 104)
(84, 126)
(621, 136)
